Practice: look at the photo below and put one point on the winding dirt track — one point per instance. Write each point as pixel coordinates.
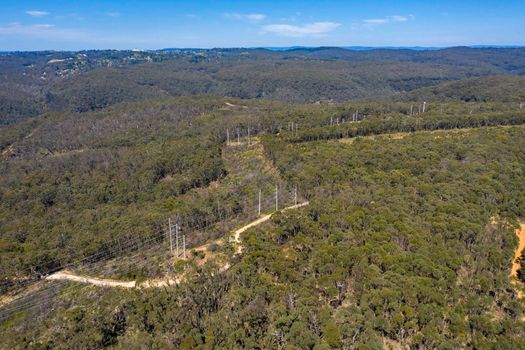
(233, 105)
(158, 283)
(70, 276)
(237, 234)
(520, 232)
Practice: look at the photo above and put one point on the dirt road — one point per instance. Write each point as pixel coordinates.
(237, 233)
(157, 283)
(70, 276)
(520, 232)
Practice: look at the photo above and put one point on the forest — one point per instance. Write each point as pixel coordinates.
(32, 83)
(409, 168)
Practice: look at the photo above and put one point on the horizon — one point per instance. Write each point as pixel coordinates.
(58, 25)
(286, 48)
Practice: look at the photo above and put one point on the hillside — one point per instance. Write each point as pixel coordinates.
(401, 236)
(303, 81)
(484, 89)
(397, 199)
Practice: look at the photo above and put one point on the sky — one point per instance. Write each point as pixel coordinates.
(156, 24)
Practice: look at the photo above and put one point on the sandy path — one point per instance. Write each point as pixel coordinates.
(237, 233)
(236, 238)
(106, 282)
(157, 283)
(232, 105)
(7, 151)
(69, 276)
(520, 232)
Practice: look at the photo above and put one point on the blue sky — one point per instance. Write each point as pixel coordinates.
(83, 24)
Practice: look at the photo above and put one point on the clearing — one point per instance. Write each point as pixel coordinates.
(440, 133)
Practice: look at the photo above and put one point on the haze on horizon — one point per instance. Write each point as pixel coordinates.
(64, 25)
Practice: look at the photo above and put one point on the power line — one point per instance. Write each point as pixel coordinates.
(121, 245)
(139, 244)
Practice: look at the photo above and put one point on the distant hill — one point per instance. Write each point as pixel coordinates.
(483, 89)
(285, 80)
(32, 83)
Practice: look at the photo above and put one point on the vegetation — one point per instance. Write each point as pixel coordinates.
(484, 89)
(88, 185)
(120, 173)
(386, 214)
(411, 212)
(430, 121)
(38, 82)
(407, 241)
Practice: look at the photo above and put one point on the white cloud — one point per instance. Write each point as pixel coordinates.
(312, 29)
(398, 18)
(50, 35)
(388, 19)
(250, 17)
(113, 14)
(41, 31)
(376, 21)
(34, 13)
(43, 26)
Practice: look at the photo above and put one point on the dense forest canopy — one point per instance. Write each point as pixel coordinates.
(484, 89)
